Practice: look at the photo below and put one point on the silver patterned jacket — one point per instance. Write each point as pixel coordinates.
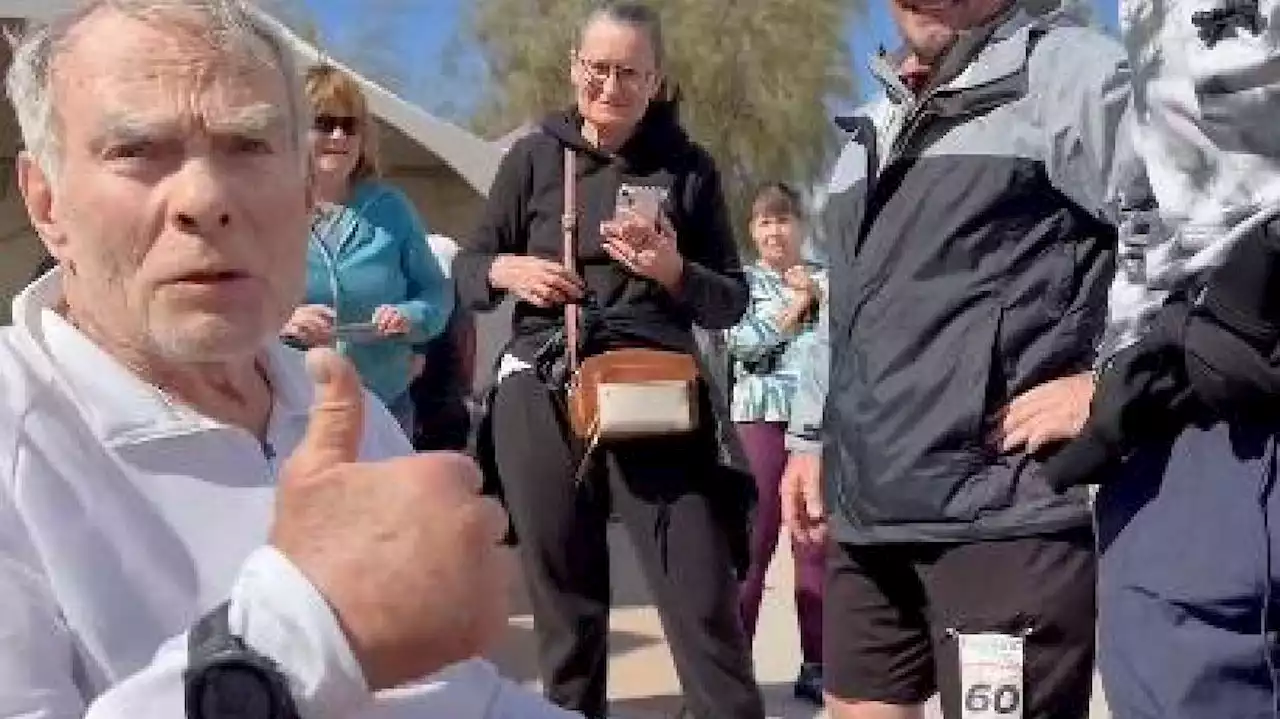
(1206, 76)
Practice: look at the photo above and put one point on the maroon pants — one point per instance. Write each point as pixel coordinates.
(765, 445)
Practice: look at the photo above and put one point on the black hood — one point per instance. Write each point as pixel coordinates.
(525, 211)
(657, 138)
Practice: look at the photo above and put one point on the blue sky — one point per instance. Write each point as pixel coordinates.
(422, 34)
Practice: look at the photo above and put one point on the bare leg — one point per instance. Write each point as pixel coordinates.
(846, 709)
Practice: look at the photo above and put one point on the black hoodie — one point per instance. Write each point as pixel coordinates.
(523, 216)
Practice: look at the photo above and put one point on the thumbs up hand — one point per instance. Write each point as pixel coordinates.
(406, 551)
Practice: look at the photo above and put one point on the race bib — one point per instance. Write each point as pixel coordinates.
(991, 676)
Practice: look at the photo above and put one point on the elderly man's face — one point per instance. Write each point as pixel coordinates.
(182, 204)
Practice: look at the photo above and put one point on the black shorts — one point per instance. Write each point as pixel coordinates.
(892, 612)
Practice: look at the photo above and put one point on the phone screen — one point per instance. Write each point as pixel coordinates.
(644, 202)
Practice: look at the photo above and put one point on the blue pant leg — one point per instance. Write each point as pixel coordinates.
(1183, 575)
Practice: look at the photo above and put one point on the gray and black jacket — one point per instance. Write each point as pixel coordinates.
(972, 237)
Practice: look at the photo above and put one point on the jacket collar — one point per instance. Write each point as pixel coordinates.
(978, 57)
(121, 408)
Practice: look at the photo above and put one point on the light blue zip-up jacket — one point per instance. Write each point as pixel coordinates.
(377, 254)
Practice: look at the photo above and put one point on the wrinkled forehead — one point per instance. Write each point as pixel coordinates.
(114, 65)
(606, 39)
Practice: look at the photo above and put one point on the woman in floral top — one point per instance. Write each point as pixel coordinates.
(769, 348)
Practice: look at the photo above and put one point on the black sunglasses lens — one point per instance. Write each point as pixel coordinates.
(328, 123)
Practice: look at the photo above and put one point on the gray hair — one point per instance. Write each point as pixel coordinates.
(230, 25)
(633, 14)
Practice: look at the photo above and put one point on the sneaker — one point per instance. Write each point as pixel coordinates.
(808, 685)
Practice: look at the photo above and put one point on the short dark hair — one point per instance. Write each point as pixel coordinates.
(775, 199)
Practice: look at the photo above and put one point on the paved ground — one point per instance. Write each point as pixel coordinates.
(642, 681)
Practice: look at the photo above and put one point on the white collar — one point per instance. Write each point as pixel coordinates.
(120, 407)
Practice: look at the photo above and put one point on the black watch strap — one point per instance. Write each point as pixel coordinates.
(212, 633)
(225, 673)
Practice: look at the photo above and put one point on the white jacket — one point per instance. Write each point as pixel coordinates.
(124, 518)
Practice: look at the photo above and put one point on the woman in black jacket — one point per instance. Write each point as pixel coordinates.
(643, 285)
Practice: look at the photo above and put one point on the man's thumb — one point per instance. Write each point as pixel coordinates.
(337, 415)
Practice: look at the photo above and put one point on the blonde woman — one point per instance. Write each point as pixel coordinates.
(373, 286)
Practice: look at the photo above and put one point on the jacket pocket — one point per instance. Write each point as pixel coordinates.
(920, 453)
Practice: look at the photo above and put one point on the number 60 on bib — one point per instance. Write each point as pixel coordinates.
(991, 675)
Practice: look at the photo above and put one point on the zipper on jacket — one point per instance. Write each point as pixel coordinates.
(271, 459)
(272, 473)
(331, 264)
(962, 54)
(914, 121)
(331, 260)
(269, 454)
(920, 110)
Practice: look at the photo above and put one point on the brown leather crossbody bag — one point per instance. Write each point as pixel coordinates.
(626, 393)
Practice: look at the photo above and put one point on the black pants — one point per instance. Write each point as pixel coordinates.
(663, 492)
(442, 425)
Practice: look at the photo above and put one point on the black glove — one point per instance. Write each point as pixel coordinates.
(1142, 395)
(1231, 339)
(1216, 361)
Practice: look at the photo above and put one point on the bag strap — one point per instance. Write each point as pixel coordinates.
(572, 311)
(569, 225)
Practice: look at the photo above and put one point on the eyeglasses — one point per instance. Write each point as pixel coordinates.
(326, 124)
(598, 73)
